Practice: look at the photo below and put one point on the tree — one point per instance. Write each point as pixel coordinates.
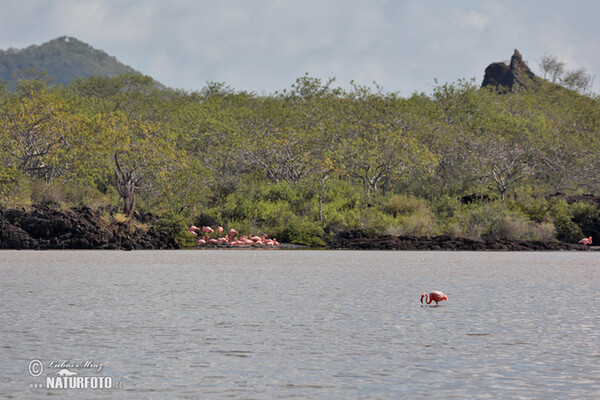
(126, 181)
(142, 151)
(578, 80)
(34, 127)
(500, 162)
(377, 156)
(551, 67)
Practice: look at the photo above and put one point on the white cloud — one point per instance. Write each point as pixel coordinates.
(264, 45)
(473, 20)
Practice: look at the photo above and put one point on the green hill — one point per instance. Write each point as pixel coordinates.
(63, 59)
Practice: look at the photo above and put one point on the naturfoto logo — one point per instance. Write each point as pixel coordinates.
(67, 378)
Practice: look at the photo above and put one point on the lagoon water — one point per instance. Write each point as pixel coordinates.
(263, 324)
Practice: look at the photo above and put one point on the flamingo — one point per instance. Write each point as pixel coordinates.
(585, 242)
(232, 233)
(224, 239)
(201, 241)
(434, 296)
(207, 230)
(193, 230)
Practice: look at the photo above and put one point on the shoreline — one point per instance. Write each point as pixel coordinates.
(357, 240)
(43, 228)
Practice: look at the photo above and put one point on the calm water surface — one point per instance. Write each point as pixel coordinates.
(303, 324)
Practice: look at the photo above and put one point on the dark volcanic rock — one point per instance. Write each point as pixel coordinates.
(513, 78)
(358, 241)
(76, 228)
(498, 74)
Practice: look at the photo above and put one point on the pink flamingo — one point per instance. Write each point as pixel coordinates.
(585, 242)
(434, 296)
(193, 230)
(207, 230)
(232, 233)
(201, 241)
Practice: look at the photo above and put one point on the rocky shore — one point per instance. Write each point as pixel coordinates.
(43, 228)
(357, 240)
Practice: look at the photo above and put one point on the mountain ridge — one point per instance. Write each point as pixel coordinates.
(63, 59)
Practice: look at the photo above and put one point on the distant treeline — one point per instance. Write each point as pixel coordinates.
(308, 162)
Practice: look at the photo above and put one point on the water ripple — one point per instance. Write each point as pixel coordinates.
(305, 324)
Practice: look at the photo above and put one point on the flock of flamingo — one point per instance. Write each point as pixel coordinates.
(230, 238)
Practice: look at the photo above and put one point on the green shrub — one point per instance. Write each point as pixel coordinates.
(421, 224)
(374, 222)
(302, 231)
(544, 231)
(584, 214)
(337, 220)
(176, 226)
(567, 230)
(452, 229)
(15, 188)
(473, 219)
(535, 209)
(508, 227)
(446, 206)
(503, 223)
(399, 204)
(280, 191)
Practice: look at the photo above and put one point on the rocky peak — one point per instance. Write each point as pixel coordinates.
(513, 77)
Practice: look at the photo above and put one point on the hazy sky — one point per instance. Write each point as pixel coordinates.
(264, 45)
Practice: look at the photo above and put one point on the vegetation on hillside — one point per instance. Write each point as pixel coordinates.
(308, 162)
(62, 59)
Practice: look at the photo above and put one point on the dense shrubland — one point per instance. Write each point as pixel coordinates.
(308, 162)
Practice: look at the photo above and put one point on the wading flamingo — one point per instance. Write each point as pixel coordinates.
(585, 242)
(434, 296)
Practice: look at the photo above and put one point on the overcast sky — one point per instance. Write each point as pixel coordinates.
(262, 46)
